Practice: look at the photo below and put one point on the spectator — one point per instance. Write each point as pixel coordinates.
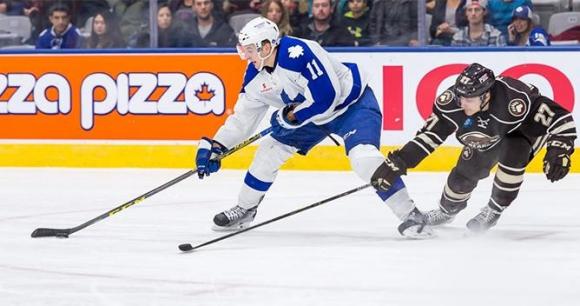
(394, 23)
(35, 10)
(500, 13)
(240, 7)
(133, 16)
(523, 32)
(340, 8)
(11, 7)
(170, 32)
(4, 7)
(356, 20)
(430, 6)
(297, 12)
(83, 10)
(241, 12)
(477, 33)
(322, 30)
(105, 33)
(62, 34)
(176, 5)
(444, 26)
(208, 30)
(181, 10)
(277, 12)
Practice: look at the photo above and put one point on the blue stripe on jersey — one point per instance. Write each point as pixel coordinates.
(295, 55)
(292, 54)
(356, 87)
(299, 98)
(287, 100)
(255, 183)
(250, 74)
(285, 97)
(322, 92)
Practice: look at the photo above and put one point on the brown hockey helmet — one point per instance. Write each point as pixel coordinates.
(474, 81)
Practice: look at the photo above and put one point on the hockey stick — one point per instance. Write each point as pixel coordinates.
(64, 233)
(186, 247)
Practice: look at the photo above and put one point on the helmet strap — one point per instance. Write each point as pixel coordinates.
(263, 59)
(484, 101)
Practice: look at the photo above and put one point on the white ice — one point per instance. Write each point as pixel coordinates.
(345, 252)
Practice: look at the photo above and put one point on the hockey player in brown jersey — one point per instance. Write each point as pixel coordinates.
(499, 121)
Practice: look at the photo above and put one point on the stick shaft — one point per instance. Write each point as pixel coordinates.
(189, 247)
(139, 199)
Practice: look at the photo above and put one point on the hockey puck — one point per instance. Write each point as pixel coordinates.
(186, 247)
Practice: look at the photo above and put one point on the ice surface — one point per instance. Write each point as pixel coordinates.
(346, 252)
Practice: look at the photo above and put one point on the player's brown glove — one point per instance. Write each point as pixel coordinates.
(386, 174)
(557, 159)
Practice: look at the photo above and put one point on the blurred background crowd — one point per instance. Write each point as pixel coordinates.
(94, 24)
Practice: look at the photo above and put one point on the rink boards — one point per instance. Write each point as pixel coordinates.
(149, 109)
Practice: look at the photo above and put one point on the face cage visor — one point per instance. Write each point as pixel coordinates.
(472, 99)
(247, 52)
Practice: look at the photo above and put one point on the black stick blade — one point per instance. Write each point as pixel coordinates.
(50, 232)
(186, 247)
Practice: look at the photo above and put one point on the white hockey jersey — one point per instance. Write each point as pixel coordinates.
(304, 73)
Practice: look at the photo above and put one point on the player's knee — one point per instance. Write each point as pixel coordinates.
(364, 160)
(460, 182)
(456, 192)
(270, 156)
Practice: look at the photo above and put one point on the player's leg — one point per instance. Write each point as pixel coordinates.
(360, 127)
(270, 156)
(272, 153)
(471, 167)
(515, 154)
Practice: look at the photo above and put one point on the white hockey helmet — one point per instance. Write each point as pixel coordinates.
(258, 30)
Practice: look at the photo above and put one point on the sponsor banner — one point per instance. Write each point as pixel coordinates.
(186, 96)
(109, 102)
(407, 83)
(116, 96)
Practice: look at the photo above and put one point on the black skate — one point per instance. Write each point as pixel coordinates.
(483, 221)
(415, 226)
(235, 218)
(437, 217)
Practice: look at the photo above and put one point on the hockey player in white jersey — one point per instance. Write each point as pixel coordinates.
(315, 95)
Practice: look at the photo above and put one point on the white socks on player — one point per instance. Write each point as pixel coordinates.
(270, 156)
(365, 159)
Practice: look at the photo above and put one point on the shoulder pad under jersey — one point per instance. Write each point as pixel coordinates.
(446, 102)
(294, 53)
(511, 100)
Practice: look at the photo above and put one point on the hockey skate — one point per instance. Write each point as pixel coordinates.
(415, 226)
(437, 217)
(233, 219)
(483, 221)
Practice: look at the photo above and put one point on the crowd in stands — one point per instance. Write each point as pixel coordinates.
(95, 24)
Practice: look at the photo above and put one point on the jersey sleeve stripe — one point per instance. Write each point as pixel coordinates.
(421, 146)
(570, 125)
